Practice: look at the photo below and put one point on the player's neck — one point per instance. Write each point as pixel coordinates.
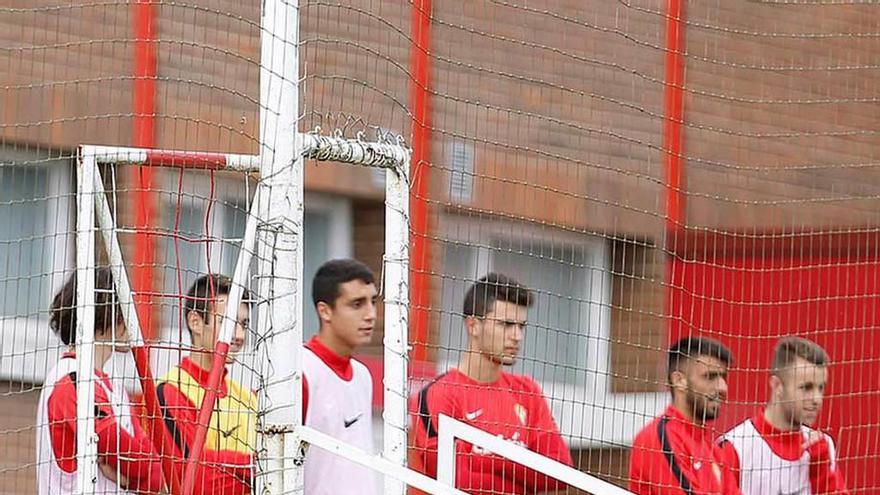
(478, 367)
(203, 359)
(686, 410)
(101, 355)
(326, 338)
(774, 415)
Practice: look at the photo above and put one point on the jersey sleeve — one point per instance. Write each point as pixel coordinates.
(305, 398)
(61, 412)
(546, 440)
(649, 470)
(825, 477)
(131, 454)
(730, 467)
(425, 409)
(219, 471)
(640, 481)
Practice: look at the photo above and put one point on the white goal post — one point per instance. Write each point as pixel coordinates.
(282, 463)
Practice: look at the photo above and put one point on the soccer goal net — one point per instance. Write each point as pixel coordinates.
(549, 196)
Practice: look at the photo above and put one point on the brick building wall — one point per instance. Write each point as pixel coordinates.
(560, 112)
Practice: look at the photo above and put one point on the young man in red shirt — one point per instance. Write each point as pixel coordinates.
(228, 456)
(478, 392)
(676, 453)
(127, 461)
(777, 450)
(337, 389)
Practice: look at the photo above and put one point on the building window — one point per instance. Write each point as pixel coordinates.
(37, 231)
(567, 345)
(569, 285)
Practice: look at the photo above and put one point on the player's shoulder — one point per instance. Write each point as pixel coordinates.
(241, 392)
(522, 383)
(742, 429)
(647, 436)
(440, 387)
(173, 375)
(359, 366)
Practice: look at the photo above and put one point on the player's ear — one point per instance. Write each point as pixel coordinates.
(325, 312)
(677, 379)
(776, 386)
(472, 325)
(195, 323)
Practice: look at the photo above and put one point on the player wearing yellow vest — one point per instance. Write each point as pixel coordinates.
(227, 459)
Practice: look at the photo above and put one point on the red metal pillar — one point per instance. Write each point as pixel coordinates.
(674, 115)
(143, 136)
(673, 144)
(420, 254)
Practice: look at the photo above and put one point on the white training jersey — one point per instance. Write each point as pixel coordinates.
(51, 479)
(763, 471)
(343, 410)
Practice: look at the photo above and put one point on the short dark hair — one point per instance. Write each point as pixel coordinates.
(62, 317)
(689, 348)
(332, 274)
(494, 287)
(790, 348)
(205, 290)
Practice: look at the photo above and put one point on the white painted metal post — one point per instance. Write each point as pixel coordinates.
(86, 439)
(239, 276)
(281, 256)
(396, 267)
(114, 253)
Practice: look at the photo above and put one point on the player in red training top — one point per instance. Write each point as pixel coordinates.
(777, 451)
(479, 393)
(676, 453)
(227, 460)
(127, 460)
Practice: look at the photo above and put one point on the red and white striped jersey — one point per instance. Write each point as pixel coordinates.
(122, 444)
(769, 461)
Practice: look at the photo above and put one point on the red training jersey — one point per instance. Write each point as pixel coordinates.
(674, 456)
(132, 454)
(512, 407)
(221, 470)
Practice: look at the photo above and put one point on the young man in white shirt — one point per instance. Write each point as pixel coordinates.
(338, 390)
(777, 451)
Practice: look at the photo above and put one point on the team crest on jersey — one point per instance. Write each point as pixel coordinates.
(521, 413)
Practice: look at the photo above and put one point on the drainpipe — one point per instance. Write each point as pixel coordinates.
(421, 141)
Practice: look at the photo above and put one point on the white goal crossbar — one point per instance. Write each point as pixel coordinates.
(450, 429)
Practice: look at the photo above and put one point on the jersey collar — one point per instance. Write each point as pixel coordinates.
(201, 375)
(693, 429)
(341, 365)
(787, 444)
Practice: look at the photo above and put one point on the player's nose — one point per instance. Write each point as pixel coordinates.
(371, 312)
(239, 336)
(722, 387)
